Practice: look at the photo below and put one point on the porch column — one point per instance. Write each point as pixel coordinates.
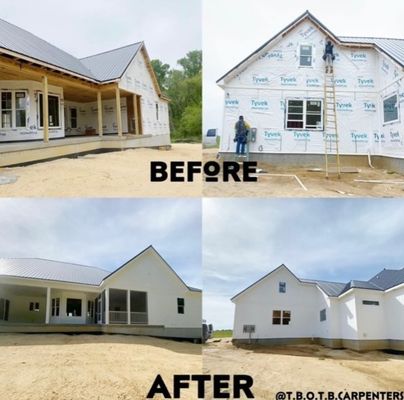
(118, 110)
(135, 113)
(128, 305)
(45, 109)
(48, 305)
(99, 113)
(107, 306)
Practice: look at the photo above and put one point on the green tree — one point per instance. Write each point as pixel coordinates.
(191, 63)
(161, 71)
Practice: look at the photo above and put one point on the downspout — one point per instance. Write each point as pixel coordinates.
(370, 160)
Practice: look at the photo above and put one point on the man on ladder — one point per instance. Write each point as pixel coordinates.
(241, 133)
(329, 57)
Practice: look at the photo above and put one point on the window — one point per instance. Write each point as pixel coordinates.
(304, 114)
(279, 316)
(6, 110)
(157, 111)
(282, 287)
(73, 307)
(276, 317)
(90, 309)
(55, 307)
(323, 315)
(34, 306)
(73, 117)
(20, 109)
(390, 109)
(4, 309)
(370, 303)
(248, 328)
(53, 105)
(306, 56)
(180, 306)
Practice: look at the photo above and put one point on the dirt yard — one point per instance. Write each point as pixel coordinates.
(305, 368)
(110, 367)
(116, 174)
(279, 181)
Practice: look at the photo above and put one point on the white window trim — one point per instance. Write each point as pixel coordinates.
(304, 115)
(39, 110)
(312, 55)
(14, 109)
(398, 108)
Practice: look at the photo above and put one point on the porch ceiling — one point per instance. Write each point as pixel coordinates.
(28, 291)
(74, 89)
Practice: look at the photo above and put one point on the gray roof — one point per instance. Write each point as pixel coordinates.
(111, 64)
(392, 47)
(100, 67)
(38, 268)
(332, 289)
(388, 278)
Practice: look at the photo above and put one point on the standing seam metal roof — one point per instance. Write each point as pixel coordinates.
(101, 67)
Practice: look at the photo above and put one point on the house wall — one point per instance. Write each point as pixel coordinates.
(148, 273)
(394, 303)
(87, 116)
(260, 91)
(32, 130)
(330, 328)
(137, 79)
(254, 307)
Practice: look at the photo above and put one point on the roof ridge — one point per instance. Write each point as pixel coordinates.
(47, 259)
(321, 280)
(109, 51)
(369, 37)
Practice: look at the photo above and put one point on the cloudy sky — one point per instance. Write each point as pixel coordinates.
(337, 240)
(234, 29)
(169, 28)
(104, 232)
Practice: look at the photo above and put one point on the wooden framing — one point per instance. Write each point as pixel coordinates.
(45, 109)
(99, 113)
(118, 110)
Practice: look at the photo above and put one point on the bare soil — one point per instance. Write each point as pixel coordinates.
(104, 367)
(305, 368)
(316, 183)
(117, 174)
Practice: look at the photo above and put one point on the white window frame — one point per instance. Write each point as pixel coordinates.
(39, 110)
(305, 128)
(13, 109)
(55, 312)
(312, 55)
(398, 108)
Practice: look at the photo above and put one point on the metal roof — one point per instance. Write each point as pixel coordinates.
(111, 64)
(392, 47)
(23, 42)
(38, 268)
(384, 280)
(101, 67)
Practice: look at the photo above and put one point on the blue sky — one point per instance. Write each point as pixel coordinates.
(337, 240)
(234, 29)
(169, 28)
(104, 232)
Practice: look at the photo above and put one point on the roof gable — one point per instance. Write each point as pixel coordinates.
(393, 48)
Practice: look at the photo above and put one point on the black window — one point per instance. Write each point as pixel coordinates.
(34, 306)
(6, 110)
(248, 328)
(180, 306)
(390, 109)
(90, 309)
(157, 111)
(73, 307)
(4, 309)
(53, 105)
(282, 287)
(370, 303)
(276, 317)
(55, 307)
(285, 317)
(73, 117)
(304, 114)
(323, 315)
(20, 109)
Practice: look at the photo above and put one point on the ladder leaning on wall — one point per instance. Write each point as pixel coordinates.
(331, 139)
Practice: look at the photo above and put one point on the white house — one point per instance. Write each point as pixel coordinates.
(280, 308)
(279, 89)
(143, 296)
(114, 92)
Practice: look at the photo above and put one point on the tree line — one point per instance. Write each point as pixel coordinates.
(184, 88)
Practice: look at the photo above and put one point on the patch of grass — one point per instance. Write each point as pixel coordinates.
(223, 333)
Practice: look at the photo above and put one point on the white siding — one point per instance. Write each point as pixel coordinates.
(394, 306)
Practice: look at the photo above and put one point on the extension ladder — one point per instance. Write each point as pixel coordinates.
(331, 140)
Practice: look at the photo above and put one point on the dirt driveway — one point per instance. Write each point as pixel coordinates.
(89, 367)
(116, 174)
(277, 181)
(305, 368)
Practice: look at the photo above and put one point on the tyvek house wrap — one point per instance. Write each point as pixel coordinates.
(363, 78)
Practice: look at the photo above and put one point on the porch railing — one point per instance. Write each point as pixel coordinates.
(138, 318)
(118, 317)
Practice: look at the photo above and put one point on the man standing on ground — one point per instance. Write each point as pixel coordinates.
(329, 56)
(241, 129)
